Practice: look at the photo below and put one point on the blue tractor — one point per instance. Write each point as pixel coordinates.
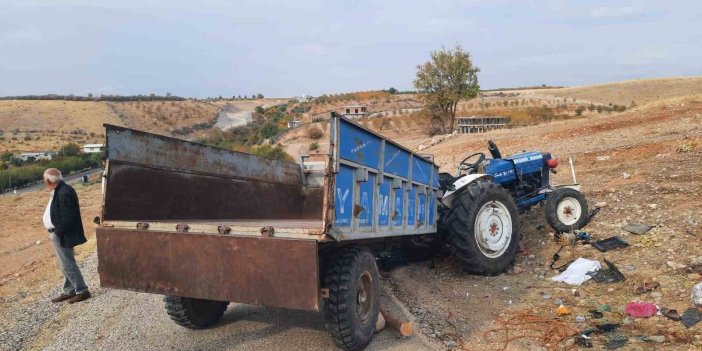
(481, 202)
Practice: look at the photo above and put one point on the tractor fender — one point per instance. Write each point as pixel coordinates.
(460, 184)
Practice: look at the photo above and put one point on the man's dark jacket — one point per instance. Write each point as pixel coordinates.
(65, 216)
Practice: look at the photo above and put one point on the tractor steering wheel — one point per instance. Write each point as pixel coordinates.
(465, 166)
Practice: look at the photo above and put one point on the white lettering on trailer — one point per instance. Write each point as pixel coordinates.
(342, 199)
(360, 146)
(383, 205)
(392, 158)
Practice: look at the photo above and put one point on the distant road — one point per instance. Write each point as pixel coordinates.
(71, 178)
(232, 116)
(238, 113)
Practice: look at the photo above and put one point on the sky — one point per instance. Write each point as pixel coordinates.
(289, 48)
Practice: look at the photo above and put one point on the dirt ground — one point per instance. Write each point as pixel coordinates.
(634, 166)
(639, 166)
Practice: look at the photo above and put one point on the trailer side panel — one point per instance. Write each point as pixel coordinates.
(254, 270)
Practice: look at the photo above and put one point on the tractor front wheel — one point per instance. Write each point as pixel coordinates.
(566, 210)
(483, 228)
(351, 311)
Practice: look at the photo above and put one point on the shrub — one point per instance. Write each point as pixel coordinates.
(271, 151)
(315, 133)
(314, 146)
(579, 111)
(70, 149)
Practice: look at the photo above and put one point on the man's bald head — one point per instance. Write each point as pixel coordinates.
(53, 175)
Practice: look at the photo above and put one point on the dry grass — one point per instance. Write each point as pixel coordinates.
(641, 91)
(40, 125)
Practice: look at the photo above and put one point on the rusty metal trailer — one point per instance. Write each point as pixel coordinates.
(205, 226)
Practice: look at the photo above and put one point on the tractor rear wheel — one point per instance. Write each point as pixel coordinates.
(566, 210)
(194, 313)
(351, 311)
(483, 228)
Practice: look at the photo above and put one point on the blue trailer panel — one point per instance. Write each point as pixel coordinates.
(359, 146)
(421, 171)
(396, 161)
(343, 199)
(384, 202)
(381, 188)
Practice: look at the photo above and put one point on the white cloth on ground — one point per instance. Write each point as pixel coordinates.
(576, 273)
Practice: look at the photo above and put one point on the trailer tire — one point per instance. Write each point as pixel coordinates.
(194, 313)
(487, 211)
(351, 311)
(566, 210)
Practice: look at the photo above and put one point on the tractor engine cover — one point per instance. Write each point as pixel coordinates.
(506, 170)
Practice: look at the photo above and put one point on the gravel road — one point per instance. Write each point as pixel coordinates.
(120, 320)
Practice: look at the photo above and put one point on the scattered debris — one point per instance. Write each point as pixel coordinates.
(583, 341)
(637, 228)
(653, 338)
(612, 243)
(380, 324)
(609, 275)
(670, 313)
(562, 311)
(602, 158)
(646, 287)
(626, 175)
(404, 328)
(577, 272)
(603, 308)
(596, 314)
(580, 319)
(524, 325)
(615, 341)
(691, 316)
(641, 309)
(696, 296)
(607, 327)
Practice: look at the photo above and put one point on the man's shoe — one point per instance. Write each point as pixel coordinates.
(80, 297)
(62, 298)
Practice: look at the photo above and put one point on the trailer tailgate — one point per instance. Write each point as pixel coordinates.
(254, 270)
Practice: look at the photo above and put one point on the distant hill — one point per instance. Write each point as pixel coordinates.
(34, 125)
(641, 91)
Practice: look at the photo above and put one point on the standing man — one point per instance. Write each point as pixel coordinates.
(62, 221)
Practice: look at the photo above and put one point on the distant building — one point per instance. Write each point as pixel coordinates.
(293, 124)
(93, 148)
(305, 98)
(35, 156)
(355, 111)
(480, 124)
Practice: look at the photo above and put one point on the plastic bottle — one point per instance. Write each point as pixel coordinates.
(697, 294)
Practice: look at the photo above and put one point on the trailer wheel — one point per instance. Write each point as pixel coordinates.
(566, 210)
(194, 313)
(351, 311)
(483, 228)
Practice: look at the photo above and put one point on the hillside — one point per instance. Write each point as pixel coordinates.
(40, 125)
(641, 91)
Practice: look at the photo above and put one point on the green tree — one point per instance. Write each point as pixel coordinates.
(259, 96)
(392, 90)
(260, 110)
(269, 130)
(70, 149)
(446, 79)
